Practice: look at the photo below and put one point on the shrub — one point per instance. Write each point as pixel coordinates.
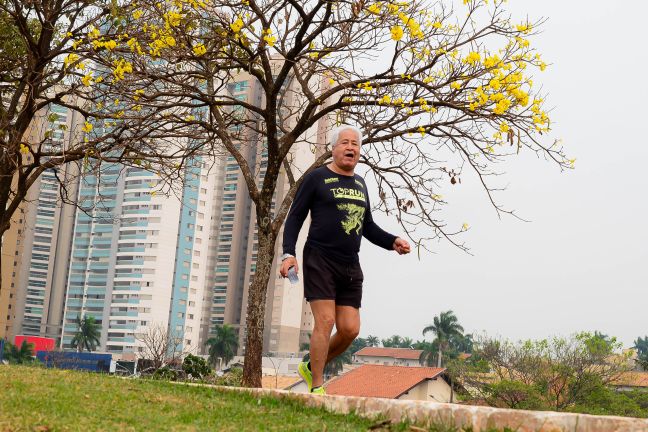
(196, 367)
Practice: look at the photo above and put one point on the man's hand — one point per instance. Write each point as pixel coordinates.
(401, 246)
(286, 264)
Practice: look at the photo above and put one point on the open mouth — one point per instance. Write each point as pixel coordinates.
(349, 154)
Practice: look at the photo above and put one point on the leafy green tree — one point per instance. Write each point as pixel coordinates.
(22, 355)
(223, 344)
(373, 341)
(430, 352)
(641, 345)
(196, 366)
(556, 374)
(87, 335)
(444, 327)
(397, 341)
(600, 399)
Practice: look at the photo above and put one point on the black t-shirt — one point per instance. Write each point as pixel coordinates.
(340, 215)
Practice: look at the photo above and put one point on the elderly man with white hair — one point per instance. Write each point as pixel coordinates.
(338, 201)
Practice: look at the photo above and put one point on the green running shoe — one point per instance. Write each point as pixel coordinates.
(318, 390)
(306, 374)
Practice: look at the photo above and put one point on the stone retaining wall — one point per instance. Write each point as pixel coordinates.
(480, 418)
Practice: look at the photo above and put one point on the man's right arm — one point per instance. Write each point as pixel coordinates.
(294, 221)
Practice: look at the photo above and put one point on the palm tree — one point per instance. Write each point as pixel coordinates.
(24, 354)
(430, 352)
(87, 335)
(392, 342)
(406, 342)
(224, 344)
(444, 327)
(373, 341)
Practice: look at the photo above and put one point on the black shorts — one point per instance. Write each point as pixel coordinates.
(328, 279)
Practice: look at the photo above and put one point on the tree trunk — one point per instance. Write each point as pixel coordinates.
(439, 357)
(256, 309)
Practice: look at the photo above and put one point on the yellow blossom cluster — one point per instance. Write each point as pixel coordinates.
(269, 38)
(121, 68)
(412, 25)
(135, 46)
(237, 25)
(70, 58)
(397, 32)
(365, 86)
(110, 44)
(540, 118)
(199, 49)
(473, 58)
(87, 79)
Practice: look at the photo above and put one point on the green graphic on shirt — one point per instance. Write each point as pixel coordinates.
(354, 217)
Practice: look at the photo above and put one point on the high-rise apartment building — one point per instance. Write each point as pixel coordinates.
(139, 257)
(36, 249)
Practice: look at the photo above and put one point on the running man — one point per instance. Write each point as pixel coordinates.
(340, 215)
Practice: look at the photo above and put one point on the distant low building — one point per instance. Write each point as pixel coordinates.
(388, 356)
(393, 382)
(631, 381)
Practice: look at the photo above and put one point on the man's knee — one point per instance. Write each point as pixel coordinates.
(349, 331)
(325, 322)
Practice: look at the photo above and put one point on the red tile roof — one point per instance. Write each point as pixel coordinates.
(632, 379)
(380, 381)
(399, 353)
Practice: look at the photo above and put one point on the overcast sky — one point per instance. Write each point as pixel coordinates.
(582, 261)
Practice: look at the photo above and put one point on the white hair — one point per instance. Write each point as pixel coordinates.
(335, 134)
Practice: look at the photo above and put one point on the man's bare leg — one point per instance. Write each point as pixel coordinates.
(324, 315)
(347, 325)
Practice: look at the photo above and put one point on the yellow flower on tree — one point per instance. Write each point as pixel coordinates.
(386, 100)
(473, 58)
(268, 38)
(237, 25)
(455, 85)
(421, 129)
(71, 58)
(397, 33)
(137, 14)
(87, 79)
(504, 127)
(24, 149)
(94, 33)
(87, 127)
(121, 68)
(502, 106)
(464, 227)
(374, 9)
(199, 49)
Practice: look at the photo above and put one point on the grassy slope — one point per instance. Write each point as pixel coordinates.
(41, 399)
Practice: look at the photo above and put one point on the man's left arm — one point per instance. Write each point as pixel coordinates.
(376, 235)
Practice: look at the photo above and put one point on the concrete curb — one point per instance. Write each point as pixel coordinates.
(480, 418)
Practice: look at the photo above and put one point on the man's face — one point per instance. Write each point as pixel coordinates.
(346, 152)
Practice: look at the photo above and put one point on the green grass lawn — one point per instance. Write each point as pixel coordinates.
(34, 398)
(39, 399)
